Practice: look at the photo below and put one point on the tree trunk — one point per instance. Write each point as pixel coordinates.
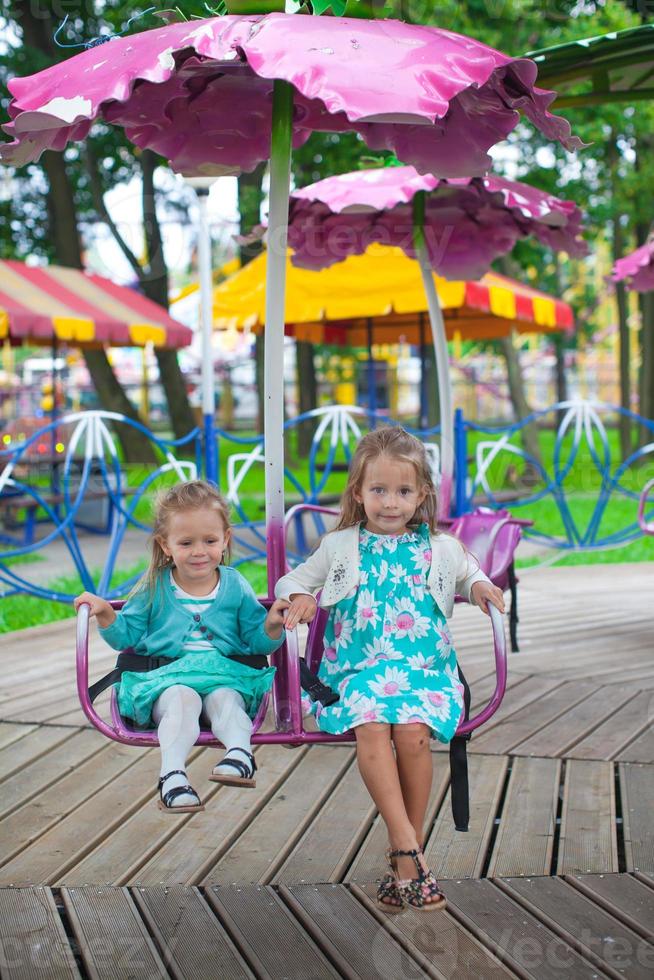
(307, 386)
(250, 196)
(625, 354)
(155, 287)
(429, 412)
(561, 381)
(172, 381)
(37, 27)
(431, 387)
(63, 231)
(226, 408)
(521, 408)
(560, 377)
(137, 448)
(64, 234)
(529, 434)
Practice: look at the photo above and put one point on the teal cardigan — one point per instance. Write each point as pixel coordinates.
(233, 623)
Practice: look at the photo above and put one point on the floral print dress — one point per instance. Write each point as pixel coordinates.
(388, 649)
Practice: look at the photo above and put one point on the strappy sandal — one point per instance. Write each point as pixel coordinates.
(166, 801)
(245, 775)
(388, 896)
(422, 893)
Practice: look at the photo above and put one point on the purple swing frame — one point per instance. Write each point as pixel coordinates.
(647, 527)
(286, 693)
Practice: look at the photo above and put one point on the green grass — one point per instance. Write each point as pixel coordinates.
(504, 474)
(256, 574)
(637, 551)
(583, 476)
(581, 486)
(29, 559)
(17, 612)
(619, 513)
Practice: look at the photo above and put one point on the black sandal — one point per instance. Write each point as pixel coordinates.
(166, 801)
(422, 893)
(245, 775)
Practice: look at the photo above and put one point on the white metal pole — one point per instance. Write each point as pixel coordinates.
(202, 186)
(206, 303)
(444, 382)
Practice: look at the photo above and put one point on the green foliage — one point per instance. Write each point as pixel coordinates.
(24, 219)
(338, 8)
(328, 6)
(350, 8)
(610, 180)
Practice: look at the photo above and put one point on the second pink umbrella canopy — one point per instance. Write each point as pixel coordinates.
(468, 223)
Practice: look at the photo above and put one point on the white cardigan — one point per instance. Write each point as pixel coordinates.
(334, 568)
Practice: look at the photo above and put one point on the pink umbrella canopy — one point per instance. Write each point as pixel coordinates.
(637, 268)
(218, 96)
(468, 222)
(200, 93)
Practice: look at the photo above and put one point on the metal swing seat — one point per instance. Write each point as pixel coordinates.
(286, 692)
(492, 536)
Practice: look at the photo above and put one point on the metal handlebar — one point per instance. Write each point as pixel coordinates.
(82, 658)
(499, 643)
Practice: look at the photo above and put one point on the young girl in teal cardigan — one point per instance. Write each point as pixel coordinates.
(191, 608)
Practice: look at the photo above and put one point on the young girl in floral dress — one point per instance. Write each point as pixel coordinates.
(389, 578)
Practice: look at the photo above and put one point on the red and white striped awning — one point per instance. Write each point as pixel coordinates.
(41, 304)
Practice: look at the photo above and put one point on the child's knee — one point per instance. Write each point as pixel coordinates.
(412, 739)
(373, 733)
(181, 698)
(222, 703)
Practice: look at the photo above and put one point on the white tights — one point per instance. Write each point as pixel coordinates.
(177, 715)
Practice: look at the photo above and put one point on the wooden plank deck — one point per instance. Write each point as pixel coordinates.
(562, 777)
(562, 790)
(543, 928)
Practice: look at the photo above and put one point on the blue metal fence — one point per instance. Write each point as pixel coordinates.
(582, 454)
(83, 489)
(89, 489)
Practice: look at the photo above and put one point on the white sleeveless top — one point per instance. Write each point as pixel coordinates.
(195, 604)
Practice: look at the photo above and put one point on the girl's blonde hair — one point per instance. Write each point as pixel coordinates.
(193, 495)
(394, 443)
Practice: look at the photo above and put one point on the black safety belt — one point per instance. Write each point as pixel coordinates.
(128, 660)
(459, 766)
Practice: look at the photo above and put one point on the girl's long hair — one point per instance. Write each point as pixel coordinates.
(193, 495)
(394, 443)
